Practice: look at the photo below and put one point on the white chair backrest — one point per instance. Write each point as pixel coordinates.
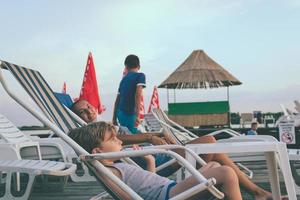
(151, 123)
(180, 134)
(10, 133)
(285, 112)
(297, 106)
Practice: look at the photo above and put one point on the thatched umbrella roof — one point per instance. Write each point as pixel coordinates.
(199, 71)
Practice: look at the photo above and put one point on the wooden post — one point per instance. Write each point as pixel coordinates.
(229, 115)
(168, 99)
(174, 96)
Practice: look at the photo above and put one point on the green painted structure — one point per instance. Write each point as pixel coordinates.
(210, 107)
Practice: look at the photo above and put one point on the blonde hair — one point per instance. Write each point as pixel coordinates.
(92, 135)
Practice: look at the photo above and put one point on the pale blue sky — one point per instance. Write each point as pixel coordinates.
(257, 41)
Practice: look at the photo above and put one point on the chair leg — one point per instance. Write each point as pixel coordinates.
(274, 178)
(8, 194)
(2, 179)
(286, 170)
(18, 181)
(28, 188)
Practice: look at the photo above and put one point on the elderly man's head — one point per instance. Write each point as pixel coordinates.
(85, 110)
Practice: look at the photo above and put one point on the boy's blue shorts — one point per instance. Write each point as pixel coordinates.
(127, 121)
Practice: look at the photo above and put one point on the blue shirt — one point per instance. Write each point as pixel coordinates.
(127, 91)
(251, 132)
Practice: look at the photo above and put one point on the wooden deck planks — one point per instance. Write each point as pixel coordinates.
(74, 191)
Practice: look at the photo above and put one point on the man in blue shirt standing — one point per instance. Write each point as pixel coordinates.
(128, 101)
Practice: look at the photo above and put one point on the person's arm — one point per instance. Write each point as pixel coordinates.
(138, 99)
(141, 138)
(114, 119)
(150, 160)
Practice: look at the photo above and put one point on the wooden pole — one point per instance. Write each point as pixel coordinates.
(229, 115)
(174, 96)
(168, 99)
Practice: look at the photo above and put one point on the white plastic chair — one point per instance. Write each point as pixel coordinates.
(33, 168)
(297, 106)
(12, 137)
(151, 124)
(26, 147)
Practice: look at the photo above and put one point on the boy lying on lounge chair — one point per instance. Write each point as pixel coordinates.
(101, 137)
(88, 113)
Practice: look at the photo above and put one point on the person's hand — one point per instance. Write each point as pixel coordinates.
(157, 140)
(148, 158)
(168, 137)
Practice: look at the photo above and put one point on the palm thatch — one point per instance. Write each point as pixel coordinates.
(199, 71)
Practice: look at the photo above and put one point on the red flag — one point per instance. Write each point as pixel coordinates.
(89, 88)
(142, 108)
(64, 89)
(154, 102)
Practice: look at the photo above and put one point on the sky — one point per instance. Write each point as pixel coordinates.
(256, 40)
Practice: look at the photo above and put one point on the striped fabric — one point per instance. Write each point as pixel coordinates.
(151, 123)
(182, 136)
(158, 113)
(36, 86)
